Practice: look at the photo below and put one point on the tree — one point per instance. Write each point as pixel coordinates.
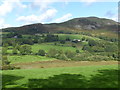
(5, 60)
(40, 40)
(51, 38)
(77, 51)
(70, 54)
(73, 45)
(14, 51)
(6, 64)
(41, 52)
(17, 46)
(25, 49)
(5, 45)
(4, 50)
(52, 53)
(83, 39)
(68, 39)
(62, 57)
(62, 41)
(87, 48)
(97, 49)
(35, 40)
(91, 43)
(111, 48)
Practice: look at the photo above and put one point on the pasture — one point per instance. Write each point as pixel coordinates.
(93, 76)
(27, 58)
(47, 47)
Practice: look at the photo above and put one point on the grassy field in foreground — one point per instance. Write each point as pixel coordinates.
(28, 58)
(104, 76)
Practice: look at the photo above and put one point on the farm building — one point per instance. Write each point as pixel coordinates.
(76, 40)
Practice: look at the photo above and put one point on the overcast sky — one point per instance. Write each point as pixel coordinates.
(21, 12)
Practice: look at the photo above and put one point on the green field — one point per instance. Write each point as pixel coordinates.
(104, 76)
(47, 47)
(27, 58)
(75, 36)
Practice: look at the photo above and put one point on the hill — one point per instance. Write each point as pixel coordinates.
(73, 25)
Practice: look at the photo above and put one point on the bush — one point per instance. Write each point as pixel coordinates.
(81, 57)
(87, 48)
(73, 45)
(99, 58)
(77, 51)
(41, 52)
(62, 42)
(52, 53)
(9, 67)
(111, 48)
(70, 54)
(62, 57)
(92, 43)
(4, 50)
(97, 49)
(25, 49)
(14, 51)
(5, 60)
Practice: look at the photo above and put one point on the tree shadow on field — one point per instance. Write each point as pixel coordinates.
(59, 81)
(104, 79)
(10, 80)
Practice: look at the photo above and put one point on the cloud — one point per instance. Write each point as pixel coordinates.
(2, 24)
(115, 18)
(46, 16)
(63, 18)
(89, 2)
(42, 4)
(109, 14)
(8, 5)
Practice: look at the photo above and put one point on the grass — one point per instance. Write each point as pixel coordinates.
(72, 77)
(47, 47)
(75, 36)
(27, 58)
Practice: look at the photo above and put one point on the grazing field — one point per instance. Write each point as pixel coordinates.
(27, 58)
(47, 47)
(75, 36)
(93, 76)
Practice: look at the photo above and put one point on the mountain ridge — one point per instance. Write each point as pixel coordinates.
(77, 24)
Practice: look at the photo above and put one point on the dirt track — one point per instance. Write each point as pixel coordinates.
(60, 63)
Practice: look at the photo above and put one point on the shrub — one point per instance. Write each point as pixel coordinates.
(62, 57)
(92, 43)
(41, 52)
(14, 51)
(9, 67)
(73, 45)
(5, 60)
(70, 54)
(25, 49)
(99, 58)
(87, 48)
(4, 50)
(77, 51)
(52, 53)
(81, 57)
(111, 48)
(97, 49)
(62, 41)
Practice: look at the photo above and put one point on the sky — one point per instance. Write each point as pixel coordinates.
(14, 13)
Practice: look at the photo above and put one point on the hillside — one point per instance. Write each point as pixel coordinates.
(73, 25)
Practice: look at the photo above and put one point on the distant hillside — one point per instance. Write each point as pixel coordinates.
(77, 24)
